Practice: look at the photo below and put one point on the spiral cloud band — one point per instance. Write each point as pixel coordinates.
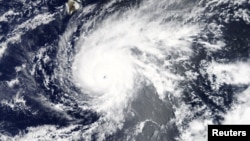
(115, 60)
(104, 71)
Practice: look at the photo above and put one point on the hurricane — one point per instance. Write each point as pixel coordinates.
(114, 60)
(122, 70)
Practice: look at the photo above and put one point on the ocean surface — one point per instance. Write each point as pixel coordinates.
(122, 70)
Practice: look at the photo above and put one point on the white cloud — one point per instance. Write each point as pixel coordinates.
(109, 70)
(14, 36)
(13, 82)
(196, 131)
(47, 132)
(239, 114)
(233, 73)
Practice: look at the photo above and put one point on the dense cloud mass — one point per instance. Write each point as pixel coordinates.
(122, 69)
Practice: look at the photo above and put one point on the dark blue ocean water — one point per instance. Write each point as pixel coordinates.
(235, 34)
